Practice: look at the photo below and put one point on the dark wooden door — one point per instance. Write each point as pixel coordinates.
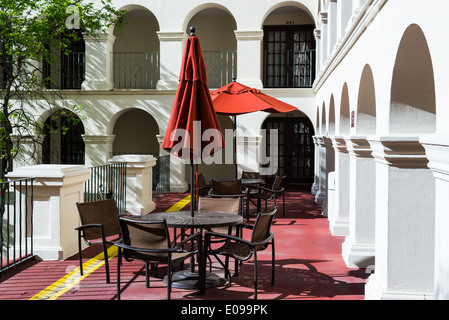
(296, 149)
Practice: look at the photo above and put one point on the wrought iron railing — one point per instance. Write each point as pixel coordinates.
(16, 223)
(135, 70)
(107, 182)
(289, 69)
(68, 74)
(221, 67)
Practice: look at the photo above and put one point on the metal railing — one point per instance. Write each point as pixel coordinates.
(16, 223)
(68, 74)
(288, 69)
(221, 67)
(107, 182)
(135, 70)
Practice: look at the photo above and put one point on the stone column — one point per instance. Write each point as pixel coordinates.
(171, 51)
(316, 177)
(358, 247)
(437, 152)
(249, 46)
(98, 62)
(329, 167)
(98, 149)
(321, 195)
(139, 182)
(332, 26)
(339, 213)
(323, 43)
(405, 221)
(56, 190)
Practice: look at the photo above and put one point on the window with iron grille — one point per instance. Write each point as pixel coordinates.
(289, 56)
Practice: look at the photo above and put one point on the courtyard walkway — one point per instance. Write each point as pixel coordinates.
(309, 266)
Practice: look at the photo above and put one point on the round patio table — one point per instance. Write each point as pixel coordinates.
(188, 279)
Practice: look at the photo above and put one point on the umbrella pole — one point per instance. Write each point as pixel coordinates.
(192, 189)
(235, 146)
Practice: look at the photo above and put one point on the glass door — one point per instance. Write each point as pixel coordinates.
(296, 149)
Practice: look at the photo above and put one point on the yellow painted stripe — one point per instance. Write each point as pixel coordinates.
(74, 277)
(181, 204)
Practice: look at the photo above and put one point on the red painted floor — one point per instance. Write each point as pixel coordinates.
(309, 266)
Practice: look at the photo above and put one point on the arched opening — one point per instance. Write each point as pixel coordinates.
(136, 133)
(413, 103)
(215, 29)
(135, 56)
(296, 149)
(289, 48)
(63, 142)
(366, 104)
(323, 126)
(345, 117)
(332, 116)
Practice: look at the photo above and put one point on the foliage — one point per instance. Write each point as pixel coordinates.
(31, 32)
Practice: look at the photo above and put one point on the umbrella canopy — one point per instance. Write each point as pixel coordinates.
(193, 112)
(236, 98)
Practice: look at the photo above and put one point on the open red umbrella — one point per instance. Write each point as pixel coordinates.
(193, 112)
(235, 99)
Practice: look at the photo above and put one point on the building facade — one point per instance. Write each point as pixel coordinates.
(367, 76)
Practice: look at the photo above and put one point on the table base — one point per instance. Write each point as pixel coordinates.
(186, 279)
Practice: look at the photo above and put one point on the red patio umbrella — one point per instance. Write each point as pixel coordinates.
(235, 99)
(192, 112)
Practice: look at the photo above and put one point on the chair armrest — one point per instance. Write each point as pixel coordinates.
(210, 234)
(127, 247)
(85, 226)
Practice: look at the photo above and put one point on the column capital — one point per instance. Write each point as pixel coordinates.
(358, 146)
(171, 35)
(339, 144)
(248, 35)
(399, 151)
(437, 151)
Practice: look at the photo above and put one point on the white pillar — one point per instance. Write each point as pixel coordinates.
(339, 213)
(332, 26)
(316, 176)
(405, 221)
(321, 195)
(344, 12)
(139, 182)
(249, 48)
(437, 151)
(171, 51)
(323, 43)
(98, 149)
(56, 190)
(98, 74)
(358, 247)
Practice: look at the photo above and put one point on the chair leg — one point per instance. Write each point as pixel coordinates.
(169, 274)
(283, 204)
(80, 251)
(272, 262)
(147, 274)
(119, 258)
(106, 261)
(255, 275)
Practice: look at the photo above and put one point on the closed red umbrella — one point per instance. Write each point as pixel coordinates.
(235, 99)
(192, 112)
